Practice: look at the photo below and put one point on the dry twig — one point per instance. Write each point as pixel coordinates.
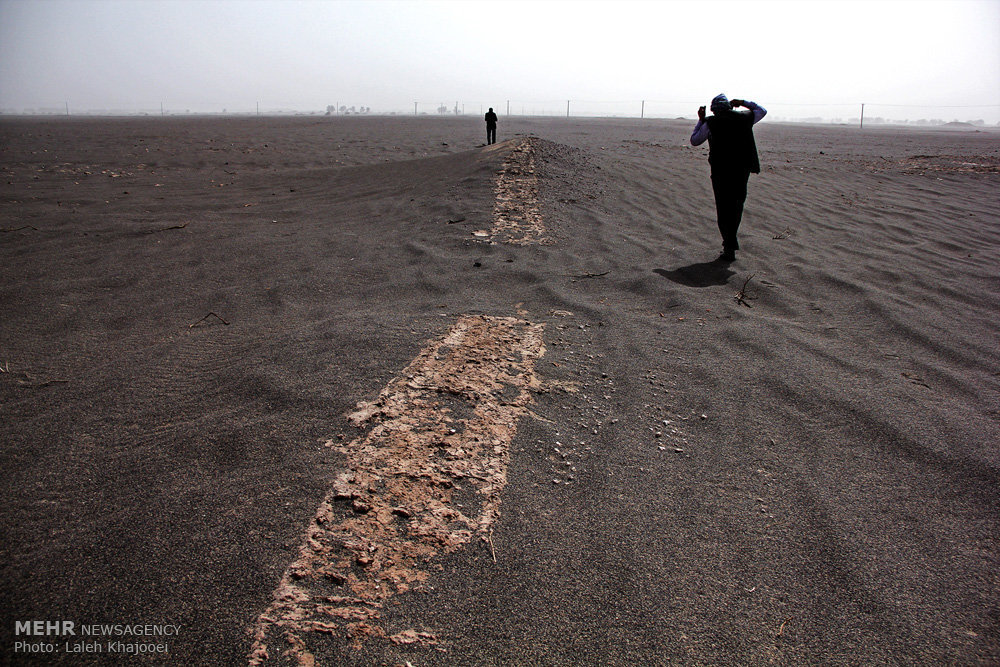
(28, 381)
(589, 275)
(784, 234)
(489, 538)
(164, 229)
(17, 229)
(742, 296)
(191, 326)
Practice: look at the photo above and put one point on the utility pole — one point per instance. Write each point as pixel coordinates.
(642, 114)
(67, 108)
(862, 115)
(567, 108)
(414, 108)
(508, 107)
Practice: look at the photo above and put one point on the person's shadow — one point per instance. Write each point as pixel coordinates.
(703, 274)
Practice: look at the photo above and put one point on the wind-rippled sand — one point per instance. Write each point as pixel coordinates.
(657, 459)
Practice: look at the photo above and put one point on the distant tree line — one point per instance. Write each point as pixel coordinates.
(346, 110)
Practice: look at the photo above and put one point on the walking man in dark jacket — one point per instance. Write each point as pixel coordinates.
(732, 154)
(491, 126)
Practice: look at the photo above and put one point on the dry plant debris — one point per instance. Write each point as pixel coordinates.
(516, 218)
(218, 317)
(166, 229)
(742, 297)
(27, 380)
(425, 479)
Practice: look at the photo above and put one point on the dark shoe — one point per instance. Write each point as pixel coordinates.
(727, 256)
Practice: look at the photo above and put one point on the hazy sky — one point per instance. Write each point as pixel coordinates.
(823, 57)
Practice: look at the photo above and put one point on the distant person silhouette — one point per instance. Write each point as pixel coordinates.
(732, 155)
(491, 126)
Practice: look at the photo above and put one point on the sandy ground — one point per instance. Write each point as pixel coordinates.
(584, 443)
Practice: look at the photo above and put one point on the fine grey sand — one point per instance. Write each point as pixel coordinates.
(791, 459)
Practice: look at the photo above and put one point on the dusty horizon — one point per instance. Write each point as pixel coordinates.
(206, 57)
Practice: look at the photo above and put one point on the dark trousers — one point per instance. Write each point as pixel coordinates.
(730, 187)
(491, 134)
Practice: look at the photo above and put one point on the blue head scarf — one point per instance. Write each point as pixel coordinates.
(720, 103)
